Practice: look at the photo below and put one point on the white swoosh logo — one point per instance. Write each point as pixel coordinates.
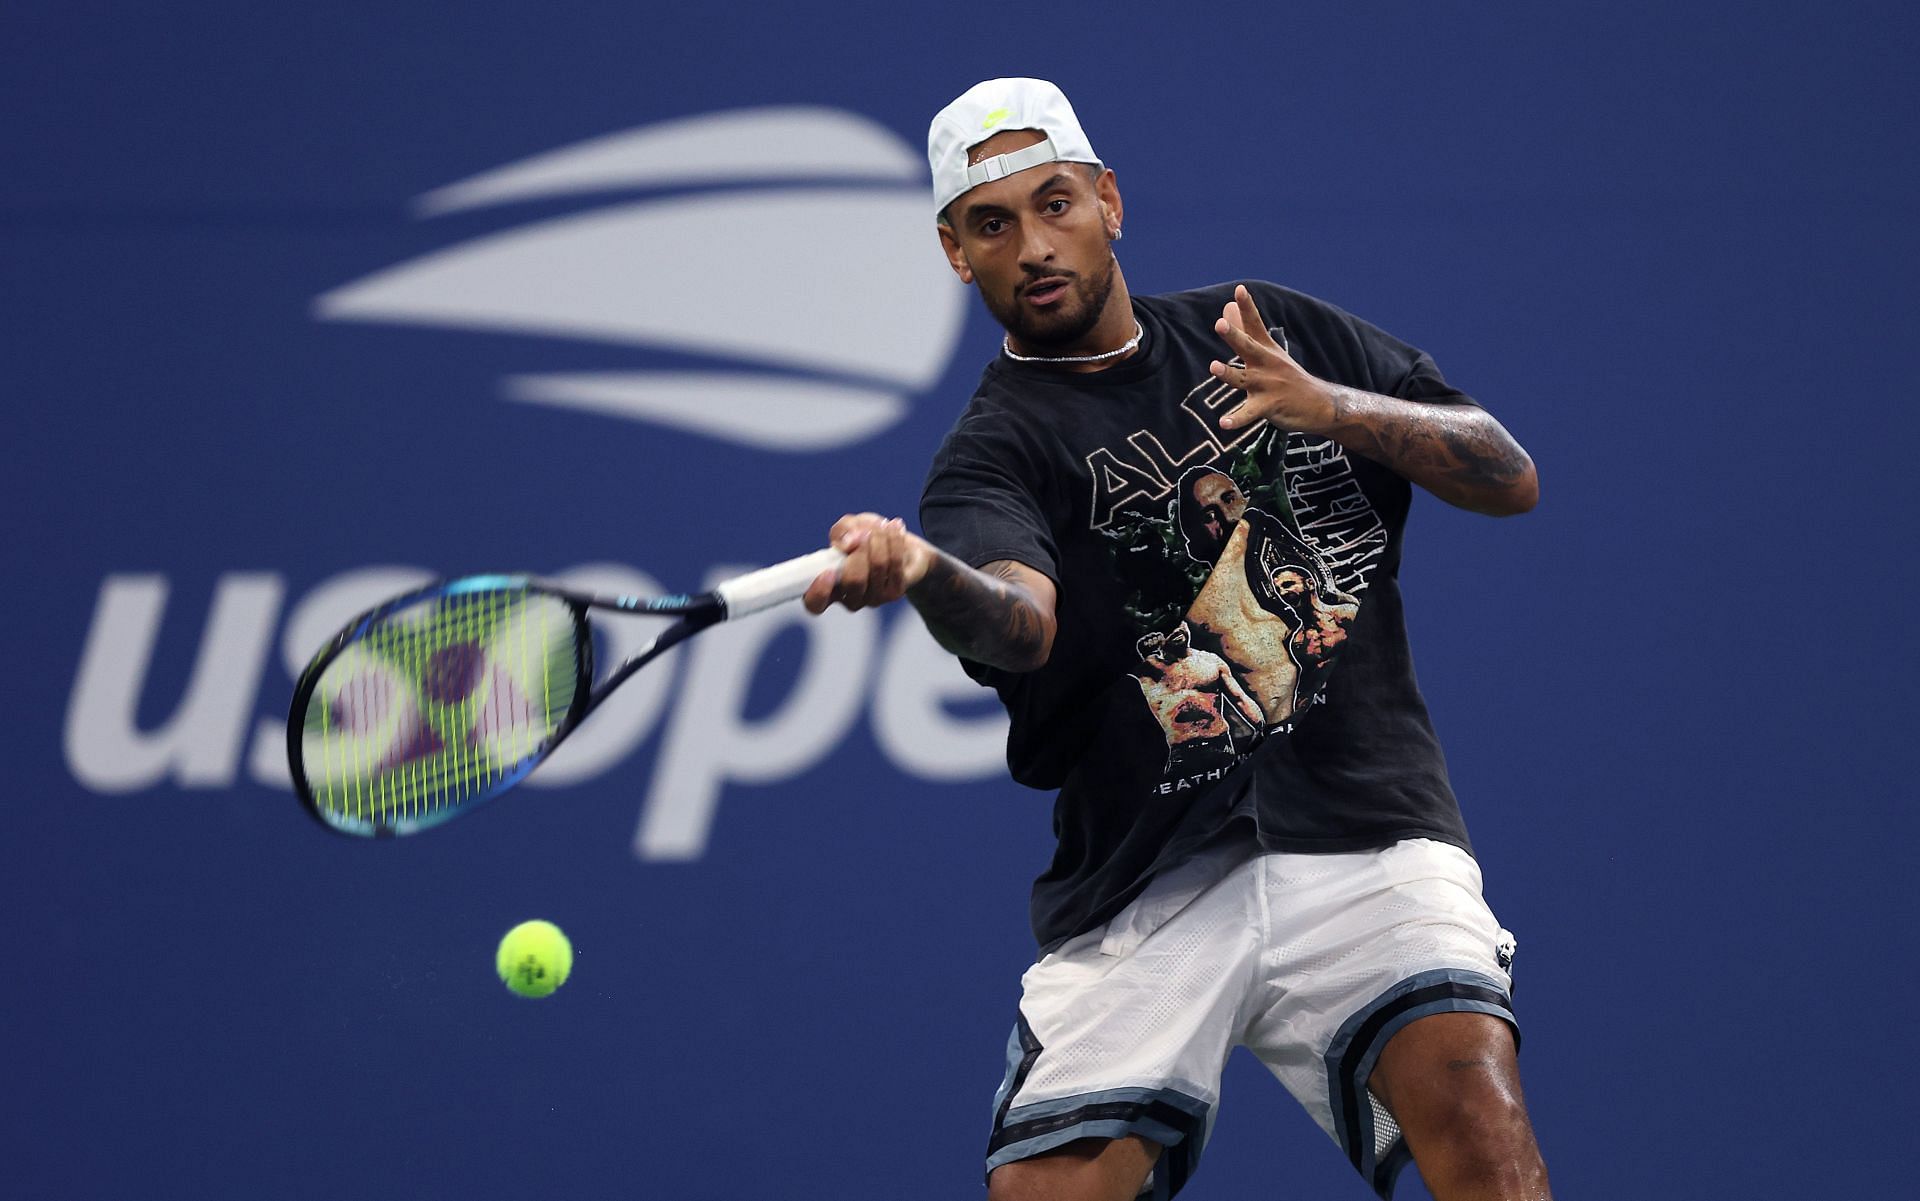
(846, 282)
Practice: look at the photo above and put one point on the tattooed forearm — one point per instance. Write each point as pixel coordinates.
(1459, 453)
(984, 615)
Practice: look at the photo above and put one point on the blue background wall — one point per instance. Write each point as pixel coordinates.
(1671, 245)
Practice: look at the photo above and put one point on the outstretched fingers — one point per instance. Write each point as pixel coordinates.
(1243, 329)
(1249, 314)
(1275, 385)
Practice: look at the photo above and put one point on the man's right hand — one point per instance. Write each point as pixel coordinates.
(883, 561)
(999, 614)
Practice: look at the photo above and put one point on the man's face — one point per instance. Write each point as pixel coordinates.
(1221, 505)
(1175, 647)
(1036, 244)
(1291, 581)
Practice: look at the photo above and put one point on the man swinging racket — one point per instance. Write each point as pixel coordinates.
(1307, 892)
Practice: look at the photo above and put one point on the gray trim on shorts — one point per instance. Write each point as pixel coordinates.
(1456, 990)
(1181, 1144)
(1016, 1052)
(1193, 1106)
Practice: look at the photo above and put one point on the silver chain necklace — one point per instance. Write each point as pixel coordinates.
(1006, 348)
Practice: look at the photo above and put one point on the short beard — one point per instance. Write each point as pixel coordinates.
(1053, 332)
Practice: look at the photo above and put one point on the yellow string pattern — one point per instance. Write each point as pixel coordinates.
(435, 704)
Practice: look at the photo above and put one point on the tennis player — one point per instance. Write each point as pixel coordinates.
(1290, 874)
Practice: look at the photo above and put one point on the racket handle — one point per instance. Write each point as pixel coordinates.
(774, 585)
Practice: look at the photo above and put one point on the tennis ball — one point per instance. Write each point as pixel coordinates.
(534, 958)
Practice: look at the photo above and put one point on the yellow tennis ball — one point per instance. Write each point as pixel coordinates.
(534, 958)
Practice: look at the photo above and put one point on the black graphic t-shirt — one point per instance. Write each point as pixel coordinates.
(1231, 646)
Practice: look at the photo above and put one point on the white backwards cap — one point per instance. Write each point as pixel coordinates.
(988, 108)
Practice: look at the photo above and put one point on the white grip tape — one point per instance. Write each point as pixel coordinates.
(770, 586)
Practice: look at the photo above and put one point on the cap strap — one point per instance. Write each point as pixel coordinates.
(1002, 165)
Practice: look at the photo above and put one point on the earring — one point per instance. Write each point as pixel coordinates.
(1113, 235)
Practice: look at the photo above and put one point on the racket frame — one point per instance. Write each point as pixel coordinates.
(736, 597)
(696, 613)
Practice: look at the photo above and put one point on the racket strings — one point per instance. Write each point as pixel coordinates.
(436, 704)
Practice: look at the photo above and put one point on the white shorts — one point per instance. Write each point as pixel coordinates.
(1312, 962)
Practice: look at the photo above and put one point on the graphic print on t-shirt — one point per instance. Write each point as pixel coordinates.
(1200, 705)
(1244, 561)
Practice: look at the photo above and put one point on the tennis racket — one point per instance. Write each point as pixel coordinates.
(426, 706)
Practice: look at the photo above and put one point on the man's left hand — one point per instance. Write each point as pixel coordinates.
(1278, 389)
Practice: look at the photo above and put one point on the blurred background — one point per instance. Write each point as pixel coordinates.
(302, 304)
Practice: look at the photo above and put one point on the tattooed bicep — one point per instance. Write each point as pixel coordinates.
(1034, 582)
